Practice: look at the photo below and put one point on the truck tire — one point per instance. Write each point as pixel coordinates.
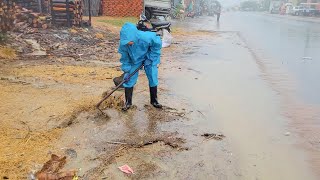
(148, 13)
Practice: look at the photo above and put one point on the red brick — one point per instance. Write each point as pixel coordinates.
(122, 8)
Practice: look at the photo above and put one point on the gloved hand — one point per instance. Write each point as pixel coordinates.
(126, 69)
(147, 62)
(126, 76)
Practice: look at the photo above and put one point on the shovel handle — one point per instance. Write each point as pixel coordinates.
(122, 82)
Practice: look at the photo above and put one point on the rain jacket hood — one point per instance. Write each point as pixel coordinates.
(128, 33)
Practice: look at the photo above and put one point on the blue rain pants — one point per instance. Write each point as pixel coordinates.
(151, 72)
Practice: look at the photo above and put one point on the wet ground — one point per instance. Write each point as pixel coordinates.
(290, 43)
(173, 143)
(270, 95)
(229, 113)
(212, 91)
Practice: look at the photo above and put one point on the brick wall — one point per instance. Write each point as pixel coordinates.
(122, 8)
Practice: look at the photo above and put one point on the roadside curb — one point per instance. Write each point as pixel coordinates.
(297, 18)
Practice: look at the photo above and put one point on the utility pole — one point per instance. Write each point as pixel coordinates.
(89, 1)
(144, 7)
(40, 6)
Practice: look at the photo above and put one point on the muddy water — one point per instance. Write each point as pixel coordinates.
(222, 80)
(165, 144)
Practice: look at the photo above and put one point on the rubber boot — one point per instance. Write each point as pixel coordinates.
(128, 95)
(154, 97)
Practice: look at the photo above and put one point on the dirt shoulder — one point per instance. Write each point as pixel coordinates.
(50, 85)
(49, 91)
(298, 18)
(53, 75)
(38, 101)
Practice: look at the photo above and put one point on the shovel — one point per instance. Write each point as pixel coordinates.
(115, 89)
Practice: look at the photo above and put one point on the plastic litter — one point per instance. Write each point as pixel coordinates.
(126, 169)
(166, 38)
(287, 134)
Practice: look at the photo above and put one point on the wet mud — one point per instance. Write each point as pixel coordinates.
(154, 143)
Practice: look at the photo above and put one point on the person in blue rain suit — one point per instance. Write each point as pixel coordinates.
(137, 47)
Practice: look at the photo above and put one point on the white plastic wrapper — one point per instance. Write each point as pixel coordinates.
(166, 38)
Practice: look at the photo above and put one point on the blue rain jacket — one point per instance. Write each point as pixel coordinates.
(147, 47)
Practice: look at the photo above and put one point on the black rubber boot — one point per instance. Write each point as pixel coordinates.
(154, 97)
(128, 95)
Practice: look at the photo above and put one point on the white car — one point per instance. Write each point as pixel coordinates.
(297, 10)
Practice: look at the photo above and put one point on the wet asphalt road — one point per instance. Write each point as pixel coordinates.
(254, 81)
(290, 43)
(226, 89)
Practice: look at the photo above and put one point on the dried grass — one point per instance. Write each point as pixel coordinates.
(115, 102)
(67, 74)
(25, 148)
(99, 36)
(7, 53)
(21, 150)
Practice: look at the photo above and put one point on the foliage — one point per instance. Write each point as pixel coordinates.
(176, 11)
(7, 53)
(266, 4)
(3, 37)
(179, 7)
(249, 5)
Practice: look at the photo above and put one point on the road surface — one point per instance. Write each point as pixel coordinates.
(293, 44)
(257, 83)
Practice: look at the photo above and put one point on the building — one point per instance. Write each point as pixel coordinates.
(122, 8)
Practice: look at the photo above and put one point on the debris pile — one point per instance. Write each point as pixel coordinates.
(114, 101)
(51, 170)
(218, 137)
(77, 43)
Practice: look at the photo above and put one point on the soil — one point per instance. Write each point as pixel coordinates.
(48, 107)
(221, 120)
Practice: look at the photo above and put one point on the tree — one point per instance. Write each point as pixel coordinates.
(266, 4)
(249, 5)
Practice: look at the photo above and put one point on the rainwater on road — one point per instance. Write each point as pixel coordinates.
(289, 42)
(255, 80)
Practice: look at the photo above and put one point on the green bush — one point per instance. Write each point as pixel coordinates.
(3, 37)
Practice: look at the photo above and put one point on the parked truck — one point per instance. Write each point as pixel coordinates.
(155, 8)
